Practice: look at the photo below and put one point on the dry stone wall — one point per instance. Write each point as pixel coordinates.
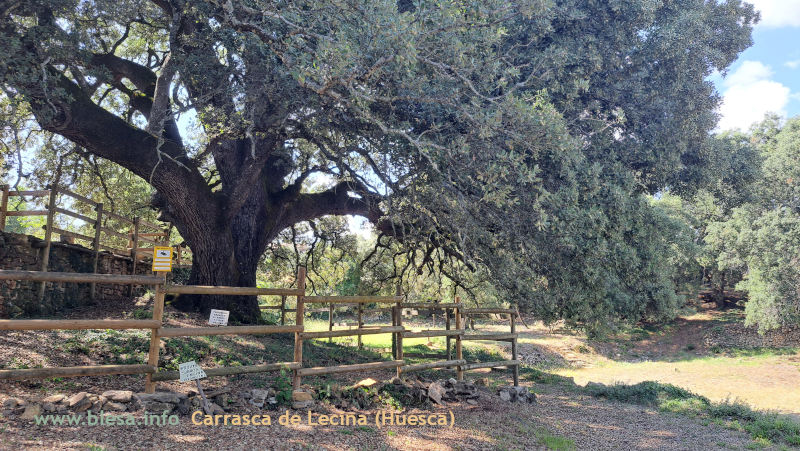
(24, 252)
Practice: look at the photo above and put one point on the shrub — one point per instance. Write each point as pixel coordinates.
(646, 393)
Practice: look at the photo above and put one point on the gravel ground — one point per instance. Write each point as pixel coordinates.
(492, 424)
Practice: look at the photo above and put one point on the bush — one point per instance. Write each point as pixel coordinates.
(733, 410)
(646, 393)
(775, 428)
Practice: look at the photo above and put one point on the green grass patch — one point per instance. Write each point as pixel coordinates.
(479, 354)
(543, 377)
(142, 313)
(553, 442)
(546, 438)
(759, 352)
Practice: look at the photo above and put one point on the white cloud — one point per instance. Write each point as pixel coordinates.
(748, 73)
(749, 95)
(778, 13)
(792, 64)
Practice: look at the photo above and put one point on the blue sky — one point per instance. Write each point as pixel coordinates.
(766, 77)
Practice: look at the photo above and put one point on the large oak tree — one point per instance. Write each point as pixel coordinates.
(514, 135)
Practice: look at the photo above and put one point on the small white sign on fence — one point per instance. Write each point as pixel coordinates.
(218, 317)
(191, 371)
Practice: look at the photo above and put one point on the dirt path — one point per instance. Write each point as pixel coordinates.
(710, 353)
(493, 424)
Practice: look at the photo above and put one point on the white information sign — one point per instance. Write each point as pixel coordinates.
(218, 317)
(191, 371)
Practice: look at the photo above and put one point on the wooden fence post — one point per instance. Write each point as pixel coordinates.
(98, 225)
(360, 323)
(514, 350)
(447, 327)
(48, 231)
(447, 338)
(134, 251)
(283, 310)
(3, 208)
(330, 321)
(459, 354)
(299, 314)
(155, 340)
(394, 335)
(399, 340)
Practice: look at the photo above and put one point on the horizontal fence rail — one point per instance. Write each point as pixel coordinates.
(317, 370)
(76, 371)
(243, 291)
(472, 311)
(433, 365)
(433, 333)
(353, 332)
(492, 336)
(77, 324)
(27, 213)
(352, 299)
(474, 366)
(230, 371)
(158, 331)
(431, 306)
(117, 279)
(227, 330)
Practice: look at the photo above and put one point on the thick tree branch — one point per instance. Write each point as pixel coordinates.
(334, 201)
(145, 81)
(72, 113)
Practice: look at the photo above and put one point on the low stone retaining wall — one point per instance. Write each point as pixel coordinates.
(24, 252)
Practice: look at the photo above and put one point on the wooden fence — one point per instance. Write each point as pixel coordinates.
(67, 324)
(158, 331)
(141, 235)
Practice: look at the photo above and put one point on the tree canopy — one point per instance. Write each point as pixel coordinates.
(759, 240)
(521, 138)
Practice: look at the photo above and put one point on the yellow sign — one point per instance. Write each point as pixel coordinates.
(162, 259)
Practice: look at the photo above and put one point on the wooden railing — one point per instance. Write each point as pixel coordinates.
(94, 370)
(157, 334)
(396, 329)
(138, 232)
(158, 331)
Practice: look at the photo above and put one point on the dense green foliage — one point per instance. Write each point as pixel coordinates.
(517, 142)
(759, 240)
(742, 225)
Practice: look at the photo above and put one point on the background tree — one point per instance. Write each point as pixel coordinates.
(761, 239)
(731, 180)
(519, 137)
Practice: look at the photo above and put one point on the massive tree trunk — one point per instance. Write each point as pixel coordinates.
(228, 244)
(215, 263)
